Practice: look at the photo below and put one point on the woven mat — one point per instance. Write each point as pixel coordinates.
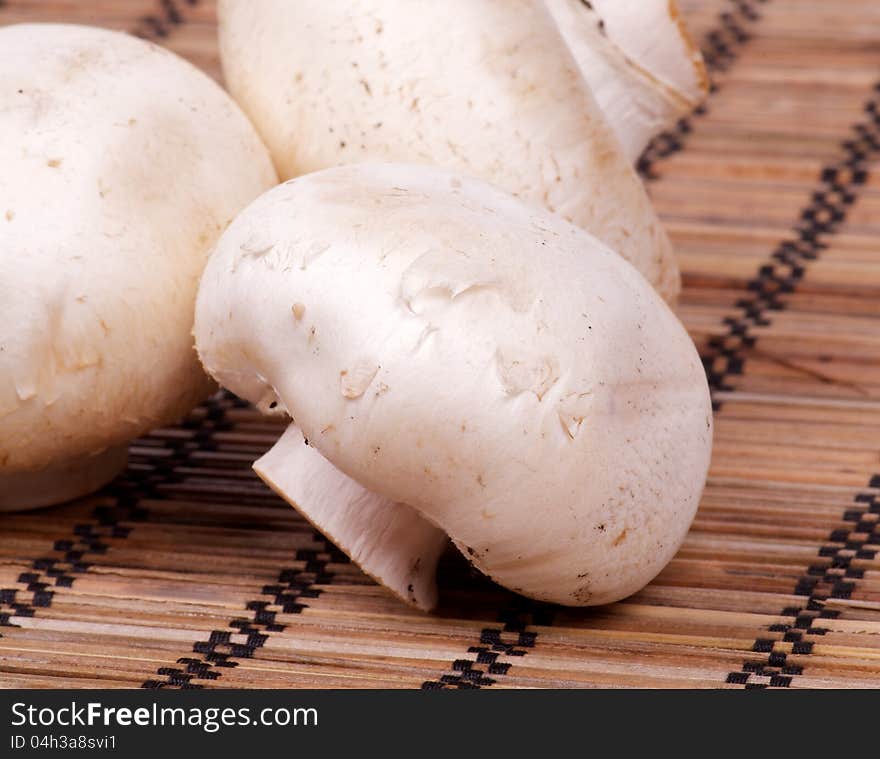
(188, 572)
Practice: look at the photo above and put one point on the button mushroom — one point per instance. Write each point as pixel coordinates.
(639, 60)
(486, 87)
(121, 166)
(457, 362)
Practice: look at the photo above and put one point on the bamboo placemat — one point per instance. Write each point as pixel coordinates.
(188, 572)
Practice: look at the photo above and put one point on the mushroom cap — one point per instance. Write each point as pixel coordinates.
(494, 367)
(122, 164)
(497, 95)
(639, 61)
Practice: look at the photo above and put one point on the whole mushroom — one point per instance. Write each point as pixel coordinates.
(121, 166)
(485, 87)
(457, 362)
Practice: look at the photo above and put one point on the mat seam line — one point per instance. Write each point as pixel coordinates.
(288, 592)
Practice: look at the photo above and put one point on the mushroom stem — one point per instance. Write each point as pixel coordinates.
(64, 482)
(636, 105)
(390, 541)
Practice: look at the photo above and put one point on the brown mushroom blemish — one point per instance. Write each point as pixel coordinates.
(582, 595)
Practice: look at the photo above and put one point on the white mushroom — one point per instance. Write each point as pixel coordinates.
(638, 59)
(121, 166)
(471, 366)
(485, 87)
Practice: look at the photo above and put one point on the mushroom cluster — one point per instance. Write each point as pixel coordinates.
(461, 296)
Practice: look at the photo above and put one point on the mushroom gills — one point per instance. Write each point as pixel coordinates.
(390, 541)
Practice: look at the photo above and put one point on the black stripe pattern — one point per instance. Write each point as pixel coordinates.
(245, 634)
(166, 18)
(720, 50)
(68, 559)
(507, 641)
(837, 190)
(832, 575)
(111, 520)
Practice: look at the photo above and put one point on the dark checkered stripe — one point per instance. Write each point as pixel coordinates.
(837, 189)
(244, 635)
(780, 654)
(498, 646)
(720, 50)
(222, 649)
(66, 561)
(857, 537)
(113, 520)
(167, 16)
(158, 25)
(506, 642)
